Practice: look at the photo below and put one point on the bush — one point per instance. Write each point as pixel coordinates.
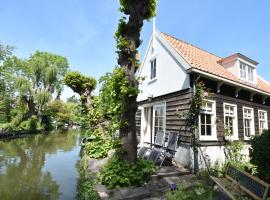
(85, 184)
(197, 191)
(117, 173)
(30, 124)
(99, 146)
(233, 155)
(260, 154)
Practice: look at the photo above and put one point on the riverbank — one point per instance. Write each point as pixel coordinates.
(18, 134)
(6, 135)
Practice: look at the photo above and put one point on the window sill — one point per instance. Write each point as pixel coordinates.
(152, 81)
(251, 82)
(208, 139)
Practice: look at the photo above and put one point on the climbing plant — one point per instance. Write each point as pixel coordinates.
(191, 117)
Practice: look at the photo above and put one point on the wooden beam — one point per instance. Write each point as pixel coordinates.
(252, 94)
(264, 99)
(219, 86)
(237, 90)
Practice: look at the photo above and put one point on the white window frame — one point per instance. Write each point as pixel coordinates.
(246, 71)
(161, 105)
(154, 59)
(265, 120)
(213, 120)
(252, 125)
(234, 136)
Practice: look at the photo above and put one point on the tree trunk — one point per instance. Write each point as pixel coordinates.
(87, 95)
(31, 108)
(130, 32)
(128, 133)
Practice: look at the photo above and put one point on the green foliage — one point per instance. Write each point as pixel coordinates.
(85, 185)
(30, 124)
(150, 7)
(117, 173)
(62, 113)
(233, 154)
(28, 85)
(99, 146)
(260, 154)
(197, 101)
(114, 88)
(198, 191)
(5, 51)
(79, 83)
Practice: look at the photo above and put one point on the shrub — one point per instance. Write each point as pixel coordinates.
(197, 191)
(260, 154)
(85, 184)
(30, 124)
(117, 173)
(99, 146)
(233, 154)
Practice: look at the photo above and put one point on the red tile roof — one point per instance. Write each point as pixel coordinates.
(207, 62)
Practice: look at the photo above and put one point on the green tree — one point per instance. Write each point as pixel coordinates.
(128, 41)
(82, 85)
(33, 82)
(5, 93)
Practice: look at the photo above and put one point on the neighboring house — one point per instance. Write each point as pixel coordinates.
(240, 101)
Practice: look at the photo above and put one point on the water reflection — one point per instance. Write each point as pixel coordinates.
(39, 167)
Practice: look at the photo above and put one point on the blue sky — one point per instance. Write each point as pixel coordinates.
(83, 30)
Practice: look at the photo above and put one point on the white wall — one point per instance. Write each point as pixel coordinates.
(212, 154)
(170, 75)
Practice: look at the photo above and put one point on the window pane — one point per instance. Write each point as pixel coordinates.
(208, 119)
(250, 74)
(208, 130)
(203, 118)
(202, 129)
(242, 70)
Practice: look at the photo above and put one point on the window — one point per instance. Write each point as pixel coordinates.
(246, 72)
(263, 124)
(153, 68)
(158, 119)
(248, 122)
(242, 70)
(250, 74)
(207, 125)
(230, 119)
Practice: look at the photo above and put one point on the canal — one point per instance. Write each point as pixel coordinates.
(41, 166)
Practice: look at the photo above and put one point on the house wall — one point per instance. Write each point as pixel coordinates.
(177, 102)
(170, 74)
(227, 95)
(208, 155)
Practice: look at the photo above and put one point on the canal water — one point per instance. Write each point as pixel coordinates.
(42, 166)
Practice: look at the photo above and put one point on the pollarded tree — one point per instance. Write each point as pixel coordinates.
(128, 40)
(83, 85)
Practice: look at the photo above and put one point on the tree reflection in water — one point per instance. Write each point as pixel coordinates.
(22, 161)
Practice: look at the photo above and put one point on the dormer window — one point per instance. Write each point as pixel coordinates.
(246, 72)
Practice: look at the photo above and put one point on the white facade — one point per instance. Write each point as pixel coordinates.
(171, 76)
(208, 154)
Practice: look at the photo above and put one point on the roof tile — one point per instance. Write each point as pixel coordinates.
(208, 62)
